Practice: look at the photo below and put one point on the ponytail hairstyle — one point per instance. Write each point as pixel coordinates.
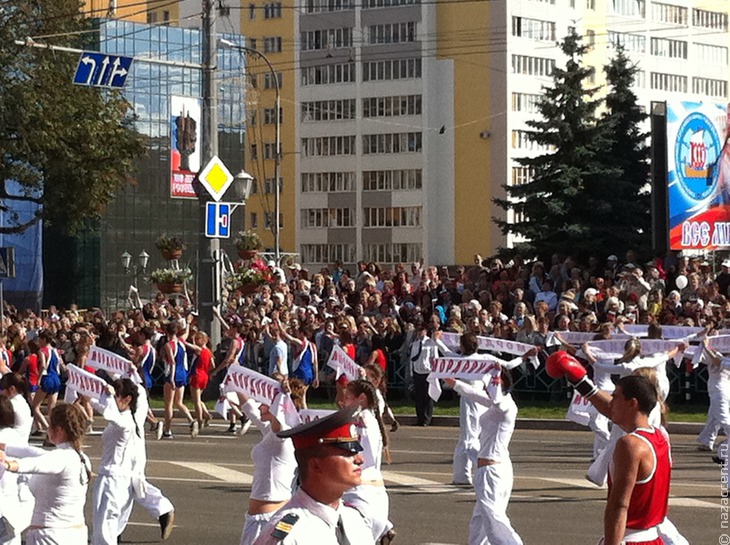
(632, 349)
(125, 387)
(362, 386)
(17, 381)
(377, 371)
(72, 419)
(298, 391)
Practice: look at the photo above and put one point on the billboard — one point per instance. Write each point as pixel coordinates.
(698, 175)
(185, 153)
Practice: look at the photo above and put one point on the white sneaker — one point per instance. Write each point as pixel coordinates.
(194, 429)
(244, 427)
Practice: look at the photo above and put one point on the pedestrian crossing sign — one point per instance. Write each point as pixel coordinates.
(216, 178)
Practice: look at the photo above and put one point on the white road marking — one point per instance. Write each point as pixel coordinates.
(417, 483)
(218, 472)
(580, 483)
(691, 502)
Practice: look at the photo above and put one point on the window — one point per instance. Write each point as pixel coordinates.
(270, 150)
(391, 180)
(533, 29)
(151, 17)
(330, 38)
(404, 142)
(591, 37)
(313, 218)
(318, 6)
(522, 140)
(591, 4)
(329, 110)
(326, 182)
(270, 82)
(328, 253)
(252, 43)
(669, 82)
(711, 54)
(393, 252)
(252, 117)
(324, 146)
(521, 175)
(254, 152)
(252, 12)
(254, 220)
(270, 116)
(272, 11)
(673, 49)
(709, 87)
(709, 19)
(328, 73)
(388, 3)
(640, 79)
(393, 216)
(532, 66)
(391, 69)
(392, 33)
(270, 188)
(166, 16)
(269, 220)
(629, 8)
(524, 102)
(632, 43)
(669, 13)
(272, 44)
(392, 106)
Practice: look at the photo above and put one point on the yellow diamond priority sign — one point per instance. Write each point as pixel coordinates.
(216, 178)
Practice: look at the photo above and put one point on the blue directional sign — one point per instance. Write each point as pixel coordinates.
(101, 70)
(217, 220)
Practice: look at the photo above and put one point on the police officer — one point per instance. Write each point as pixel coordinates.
(329, 461)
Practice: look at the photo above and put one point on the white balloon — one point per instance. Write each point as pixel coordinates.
(681, 281)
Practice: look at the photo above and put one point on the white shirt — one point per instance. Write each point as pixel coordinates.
(9, 499)
(59, 483)
(423, 350)
(718, 377)
(371, 441)
(23, 417)
(119, 452)
(279, 350)
(497, 422)
(316, 524)
(274, 464)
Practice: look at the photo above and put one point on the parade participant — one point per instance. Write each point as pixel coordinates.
(175, 359)
(639, 478)
(305, 366)
(11, 523)
(235, 356)
(328, 458)
(49, 367)
(718, 388)
(113, 491)
(370, 498)
(200, 375)
(15, 389)
(348, 346)
(423, 350)
(494, 476)
(374, 374)
(6, 357)
(274, 466)
(144, 357)
(59, 479)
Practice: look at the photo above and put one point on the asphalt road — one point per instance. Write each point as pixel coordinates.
(208, 480)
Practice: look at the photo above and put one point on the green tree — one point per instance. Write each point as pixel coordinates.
(627, 150)
(562, 204)
(70, 148)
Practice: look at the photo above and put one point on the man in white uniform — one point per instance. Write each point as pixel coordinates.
(328, 457)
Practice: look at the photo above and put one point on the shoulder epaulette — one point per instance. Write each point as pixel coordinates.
(284, 526)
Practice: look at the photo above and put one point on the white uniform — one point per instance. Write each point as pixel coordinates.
(113, 491)
(492, 483)
(371, 498)
(274, 468)
(59, 481)
(11, 519)
(599, 423)
(22, 429)
(23, 417)
(718, 415)
(315, 523)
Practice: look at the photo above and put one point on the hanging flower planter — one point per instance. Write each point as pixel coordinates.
(170, 247)
(247, 254)
(171, 280)
(170, 255)
(247, 244)
(169, 287)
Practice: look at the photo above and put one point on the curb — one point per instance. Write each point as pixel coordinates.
(679, 428)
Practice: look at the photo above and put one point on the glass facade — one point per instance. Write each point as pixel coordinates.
(141, 212)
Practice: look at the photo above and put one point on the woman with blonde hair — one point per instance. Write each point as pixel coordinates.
(200, 374)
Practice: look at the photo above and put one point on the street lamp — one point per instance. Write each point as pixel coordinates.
(241, 187)
(277, 144)
(143, 260)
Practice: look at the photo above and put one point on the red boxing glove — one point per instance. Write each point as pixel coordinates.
(562, 364)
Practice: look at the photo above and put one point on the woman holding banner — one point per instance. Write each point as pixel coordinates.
(273, 460)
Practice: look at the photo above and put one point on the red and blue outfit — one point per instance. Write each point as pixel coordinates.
(650, 497)
(177, 371)
(31, 372)
(51, 378)
(304, 370)
(149, 358)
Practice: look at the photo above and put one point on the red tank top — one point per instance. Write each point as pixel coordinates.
(648, 504)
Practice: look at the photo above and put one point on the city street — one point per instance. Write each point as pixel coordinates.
(208, 480)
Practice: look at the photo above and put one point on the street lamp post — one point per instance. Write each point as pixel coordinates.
(140, 268)
(277, 144)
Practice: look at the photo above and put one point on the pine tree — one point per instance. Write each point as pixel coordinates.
(627, 194)
(561, 203)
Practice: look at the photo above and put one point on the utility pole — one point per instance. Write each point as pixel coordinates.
(209, 253)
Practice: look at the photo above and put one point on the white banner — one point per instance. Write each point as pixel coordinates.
(307, 415)
(110, 362)
(493, 345)
(719, 343)
(477, 367)
(83, 383)
(577, 338)
(614, 349)
(343, 364)
(580, 409)
(252, 384)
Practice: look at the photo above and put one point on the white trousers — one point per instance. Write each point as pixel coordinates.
(253, 527)
(467, 447)
(717, 413)
(113, 500)
(489, 524)
(373, 504)
(57, 536)
(152, 500)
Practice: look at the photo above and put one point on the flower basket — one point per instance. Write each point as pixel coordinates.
(248, 289)
(171, 255)
(249, 277)
(169, 287)
(247, 254)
